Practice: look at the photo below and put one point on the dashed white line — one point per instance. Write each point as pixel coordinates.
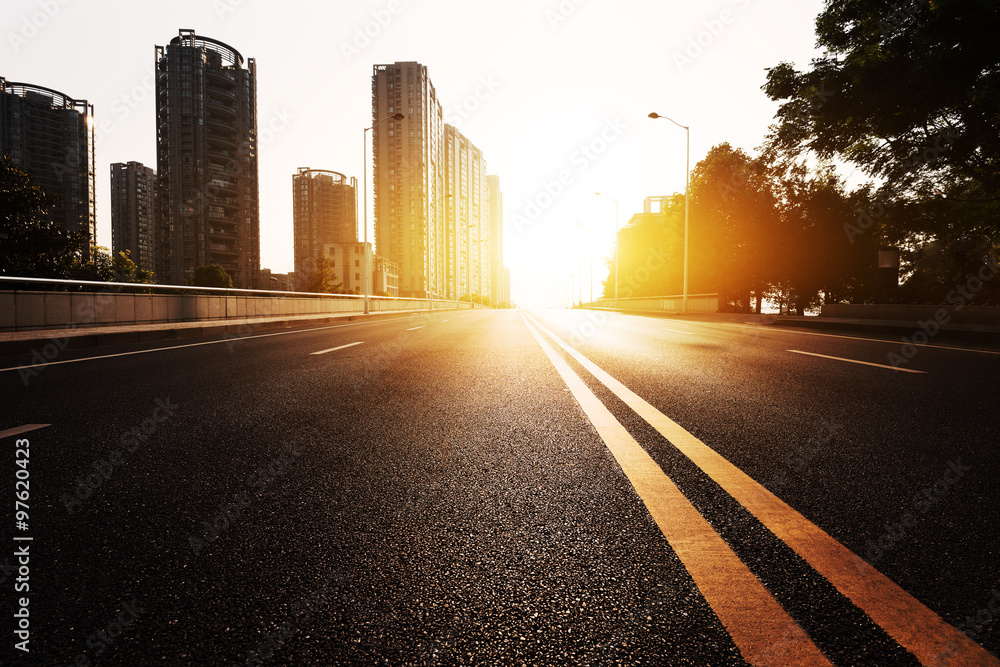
(855, 361)
(686, 333)
(334, 349)
(415, 328)
(22, 429)
(231, 339)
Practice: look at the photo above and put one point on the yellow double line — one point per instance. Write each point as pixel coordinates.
(757, 623)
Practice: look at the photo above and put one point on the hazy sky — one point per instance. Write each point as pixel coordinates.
(550, 91)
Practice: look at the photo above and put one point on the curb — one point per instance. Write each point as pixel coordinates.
(78, 338)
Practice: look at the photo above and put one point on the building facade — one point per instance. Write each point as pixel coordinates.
(496, 242)
(467, 233)
(133, 212)
(50, 136)
(207, 176)
(385, 278)
(348, 262)
(325, 211)
(408, 176)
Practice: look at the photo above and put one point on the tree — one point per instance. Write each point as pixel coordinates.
(910, 92)
(733, 228)
(31, 244)
(211, 275)
(105, 267)
(323, 279)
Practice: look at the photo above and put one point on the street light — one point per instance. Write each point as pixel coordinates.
(364, 186)
(616, 247)
(687, 194)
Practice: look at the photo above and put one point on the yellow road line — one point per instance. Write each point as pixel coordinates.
(753, 618)
(855, 361)
(904, 618)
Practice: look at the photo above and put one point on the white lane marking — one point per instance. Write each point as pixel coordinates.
(415, 328)
(855, 361)
(22, 429)
(907, 620)
(686, 333)
(748, 611)
(781, 329)
(444, 320)
(178, 347)
(334, 349)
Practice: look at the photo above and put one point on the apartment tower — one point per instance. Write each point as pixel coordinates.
(133, 212)
(206, 122)
(408, 176)
(50, 136)
(325, 211)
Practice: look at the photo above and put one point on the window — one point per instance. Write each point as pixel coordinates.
(357, 263)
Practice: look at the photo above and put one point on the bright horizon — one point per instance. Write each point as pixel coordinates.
(555, 95)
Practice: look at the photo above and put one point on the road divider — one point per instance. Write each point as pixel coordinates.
(749, 612)
(908, 621)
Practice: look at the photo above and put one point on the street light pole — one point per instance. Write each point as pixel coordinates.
(687, 194)
(364, 186)
(616, 247)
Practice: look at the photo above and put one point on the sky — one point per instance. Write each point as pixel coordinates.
(555, 93)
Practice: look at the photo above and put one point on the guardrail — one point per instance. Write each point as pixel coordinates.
(25, 310)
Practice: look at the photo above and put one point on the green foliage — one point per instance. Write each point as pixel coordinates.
(102, 266)
(210, 275)
(323, 279)
(31, 245)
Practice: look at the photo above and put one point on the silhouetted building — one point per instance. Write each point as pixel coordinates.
(50, 136)
(207, 180)
(325, 211)
(467, 233)
(133, 212)
(408, 176)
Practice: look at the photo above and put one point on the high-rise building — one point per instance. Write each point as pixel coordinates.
(408, 176)
(50, 136)
(133, 212)
(325, 211)
(467, 234)
(496, 241)
(206, 159)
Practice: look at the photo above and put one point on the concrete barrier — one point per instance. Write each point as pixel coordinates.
(28, 310)
(697, 303)
(912, 314)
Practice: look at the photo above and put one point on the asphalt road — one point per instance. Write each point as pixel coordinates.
(429, 490)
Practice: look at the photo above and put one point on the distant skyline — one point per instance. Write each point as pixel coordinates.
(555, 94)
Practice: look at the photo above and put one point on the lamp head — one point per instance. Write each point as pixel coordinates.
(654, 115)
